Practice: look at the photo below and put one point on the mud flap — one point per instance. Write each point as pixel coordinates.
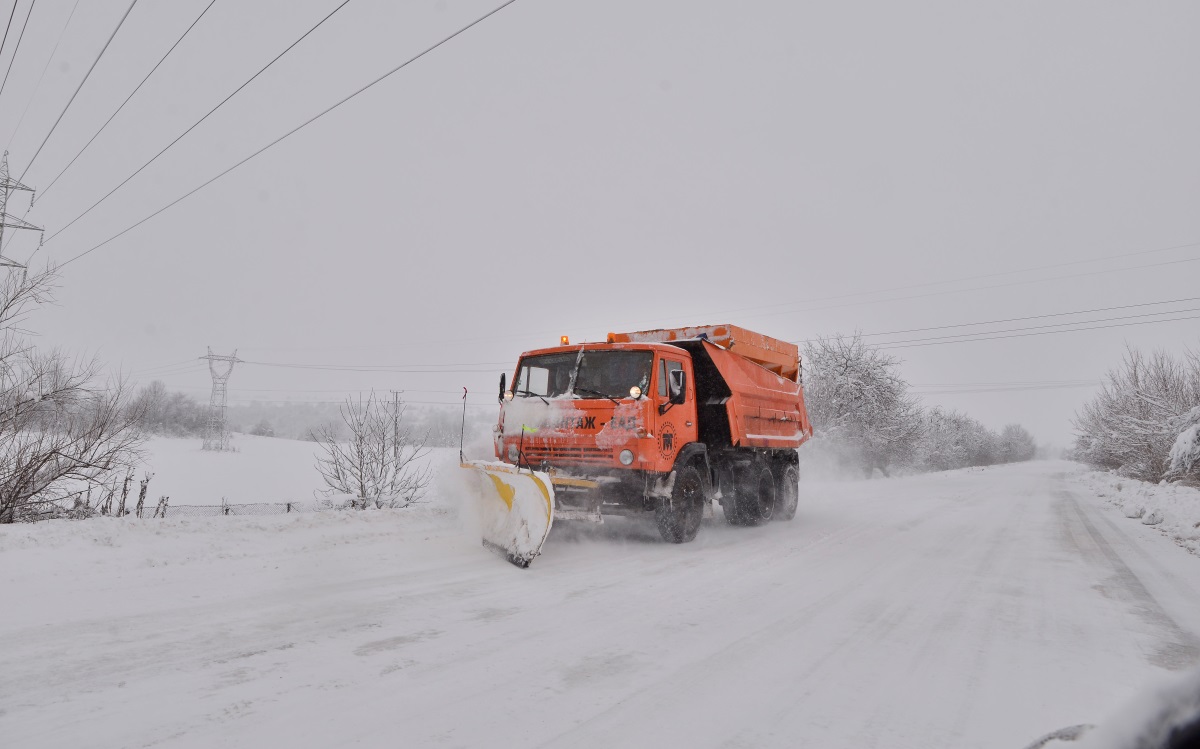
(516, 509)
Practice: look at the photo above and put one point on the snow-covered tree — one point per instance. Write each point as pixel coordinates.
(174, 414)
(381, 462)
(955, 440)
(1133, 423)
(1016, 444)
(1184, 458)
(62, 430)
(858, 402)
(263, 429)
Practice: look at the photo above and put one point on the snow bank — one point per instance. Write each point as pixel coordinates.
(218, 536)
(1173, 509)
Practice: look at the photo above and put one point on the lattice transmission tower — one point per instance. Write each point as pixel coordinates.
(216, 436)
(8, 186)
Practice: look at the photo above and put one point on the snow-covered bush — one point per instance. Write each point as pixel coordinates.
(1138, 422)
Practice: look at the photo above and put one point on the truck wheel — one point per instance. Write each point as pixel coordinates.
(731, 495)
(757, 504)
(678, 516)
(787, 492)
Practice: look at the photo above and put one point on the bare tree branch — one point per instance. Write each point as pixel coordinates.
(382, 460)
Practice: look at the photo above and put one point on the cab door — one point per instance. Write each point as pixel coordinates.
(676, 422)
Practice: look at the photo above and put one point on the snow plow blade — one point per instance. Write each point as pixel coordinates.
(516, 509)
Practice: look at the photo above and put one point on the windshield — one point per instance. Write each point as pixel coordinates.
(602, 374)
(547, 375)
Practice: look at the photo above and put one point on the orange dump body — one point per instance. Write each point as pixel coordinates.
(780, 357)
(764, 409)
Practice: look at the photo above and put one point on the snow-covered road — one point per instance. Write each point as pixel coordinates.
(976, 608)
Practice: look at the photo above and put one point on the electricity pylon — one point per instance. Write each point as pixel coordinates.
(7, 187)
(216, 437)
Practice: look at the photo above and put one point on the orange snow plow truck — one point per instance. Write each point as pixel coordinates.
(657, 423)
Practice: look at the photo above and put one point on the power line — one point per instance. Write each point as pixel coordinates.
(80, 86)
(293, 131)
(1009, 389)
(448, 404)
(1002, 384)
(488, 401)
(966, 336)
(12, 13)
(165, 371)
(137, 88)
(635, 324)
(199, 121)
(1030, 317)
(430, 367)
(340, 390)
(46, 67)
(17, 48)
(960, 279)
(1045, 332)
(993, 286)
(386, 368)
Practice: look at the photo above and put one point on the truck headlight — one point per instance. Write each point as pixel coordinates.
(635, 392)
(514, 453)
(508, 395)
(626, 457)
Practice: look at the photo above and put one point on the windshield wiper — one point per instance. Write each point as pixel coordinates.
(535, 395)
(597, 392)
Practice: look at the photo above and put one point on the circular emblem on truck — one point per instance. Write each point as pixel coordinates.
(666, 440)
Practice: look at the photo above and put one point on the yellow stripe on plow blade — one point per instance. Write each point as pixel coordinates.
(516, 509)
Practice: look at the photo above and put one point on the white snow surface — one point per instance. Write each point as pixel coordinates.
(1174, 509)
(973, 608)
(259, 469)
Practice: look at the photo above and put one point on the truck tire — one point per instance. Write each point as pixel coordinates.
(678, 516)
(756, 500)
(787, 491)
(731, 493)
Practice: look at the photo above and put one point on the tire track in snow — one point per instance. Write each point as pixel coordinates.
(873, 623)
(1175, 648)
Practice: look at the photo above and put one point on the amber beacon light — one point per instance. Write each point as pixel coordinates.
(564, 340)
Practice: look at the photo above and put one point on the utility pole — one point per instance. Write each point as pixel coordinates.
(216, 437)
(7, 187)
(396, 424)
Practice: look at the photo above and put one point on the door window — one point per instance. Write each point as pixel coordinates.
(672, 366)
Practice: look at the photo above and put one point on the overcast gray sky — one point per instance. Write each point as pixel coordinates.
(580, 167)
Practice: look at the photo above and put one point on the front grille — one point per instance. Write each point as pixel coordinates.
(559, 454)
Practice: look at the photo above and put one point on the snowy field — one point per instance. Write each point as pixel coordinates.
(261, 469)
(975, 608)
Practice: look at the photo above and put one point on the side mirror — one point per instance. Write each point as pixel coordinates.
(502, 382)
(678, 386)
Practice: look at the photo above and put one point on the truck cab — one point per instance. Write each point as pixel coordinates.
(599, 408)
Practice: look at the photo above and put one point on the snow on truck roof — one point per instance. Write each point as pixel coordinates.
(780, 357)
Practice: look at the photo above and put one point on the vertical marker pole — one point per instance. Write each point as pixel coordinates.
(462, 431)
